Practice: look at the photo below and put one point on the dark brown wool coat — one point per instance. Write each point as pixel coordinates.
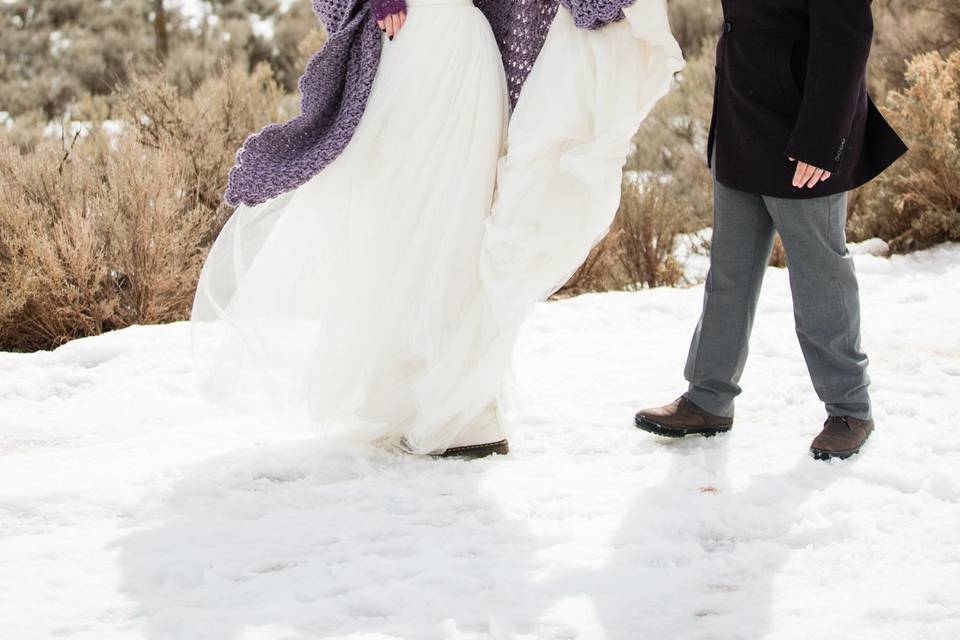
(791, 82)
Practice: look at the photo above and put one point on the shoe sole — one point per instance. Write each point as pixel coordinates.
(476, 451)
(823, 454)
(670, 432)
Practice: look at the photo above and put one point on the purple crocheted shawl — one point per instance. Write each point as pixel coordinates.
(336, 84)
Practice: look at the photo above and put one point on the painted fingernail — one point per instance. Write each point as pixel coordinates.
(391, 38)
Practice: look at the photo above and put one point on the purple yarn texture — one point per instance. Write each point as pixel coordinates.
(384, 8)
(593, 14)
(336, 84)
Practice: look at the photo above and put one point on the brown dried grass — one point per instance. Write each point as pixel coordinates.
(639, 251)
(916, 203)
(110, 232)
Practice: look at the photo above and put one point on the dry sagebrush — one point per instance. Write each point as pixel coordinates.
(640, 250)
(916, 203)
(206, 128)
(904, 29)
(113, 232)
(102, 241)
(54, 53)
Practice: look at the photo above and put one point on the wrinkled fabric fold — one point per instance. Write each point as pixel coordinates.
(344, 295)
(558, 186)
(387, 293)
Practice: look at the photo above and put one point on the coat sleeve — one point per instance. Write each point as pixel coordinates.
(840, 35)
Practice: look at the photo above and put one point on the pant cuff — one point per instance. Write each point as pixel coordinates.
(710, 403)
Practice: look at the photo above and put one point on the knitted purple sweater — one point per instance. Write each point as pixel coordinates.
(336, 84)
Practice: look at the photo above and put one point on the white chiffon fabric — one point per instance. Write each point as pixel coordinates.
(386, 294)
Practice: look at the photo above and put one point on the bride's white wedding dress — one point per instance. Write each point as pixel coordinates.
(384, 294)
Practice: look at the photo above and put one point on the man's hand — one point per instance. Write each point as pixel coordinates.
(808, 175)
(392, 23)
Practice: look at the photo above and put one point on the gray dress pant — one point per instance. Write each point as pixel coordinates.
(826, 301)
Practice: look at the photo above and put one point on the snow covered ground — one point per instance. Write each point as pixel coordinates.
(132, 509)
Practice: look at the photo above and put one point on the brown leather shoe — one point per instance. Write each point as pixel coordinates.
(681, 418)
(842, 437)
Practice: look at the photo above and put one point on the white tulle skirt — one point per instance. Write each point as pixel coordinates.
(385, 295)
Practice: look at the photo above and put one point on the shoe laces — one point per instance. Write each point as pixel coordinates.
(837, 420)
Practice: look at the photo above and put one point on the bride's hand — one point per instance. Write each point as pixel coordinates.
(390, 15)
(392, 23)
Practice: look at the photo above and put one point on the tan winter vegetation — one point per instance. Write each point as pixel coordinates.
(100, 240)
(640, 249)
(916, 203)
(56, 53)
(103, 232)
